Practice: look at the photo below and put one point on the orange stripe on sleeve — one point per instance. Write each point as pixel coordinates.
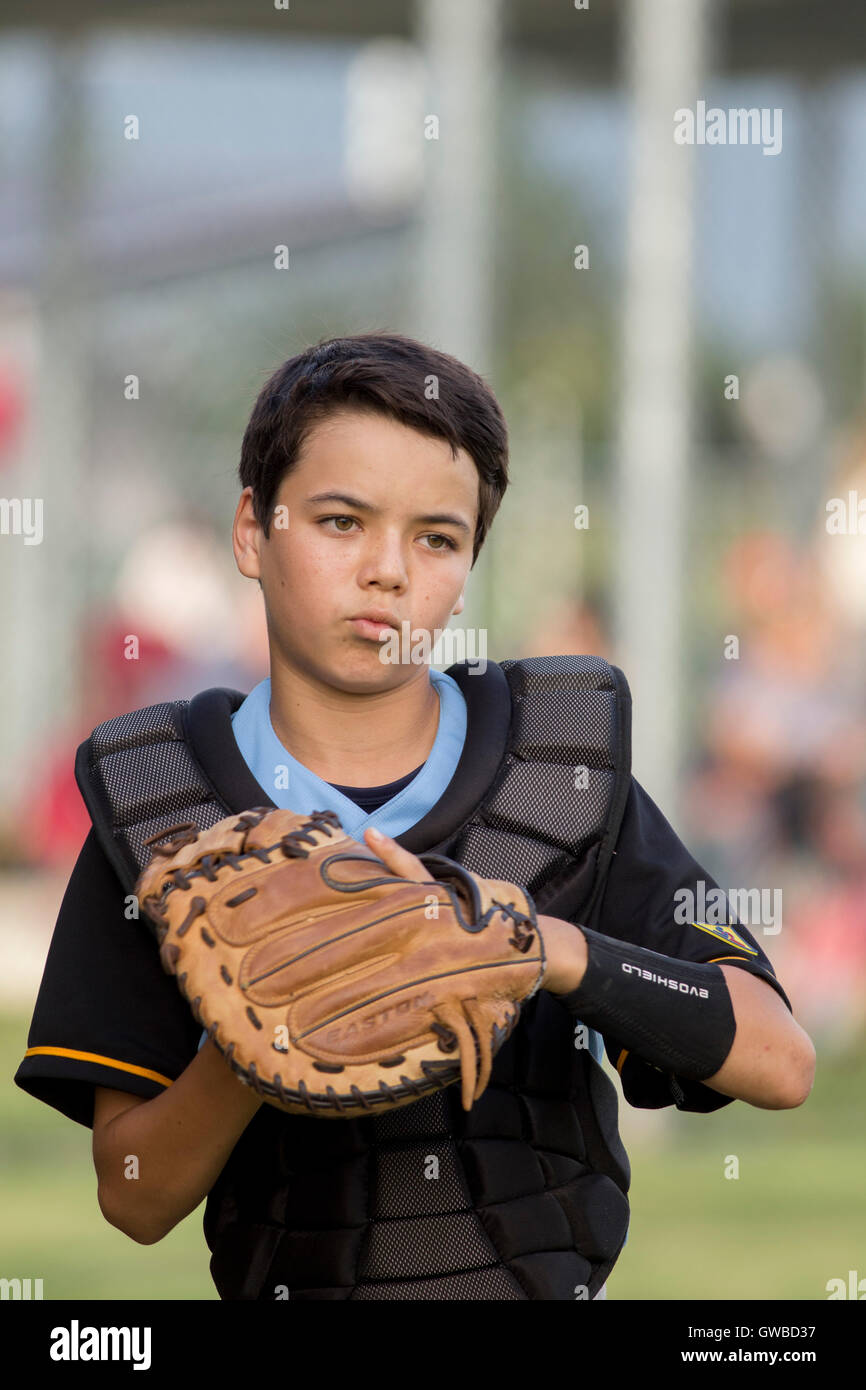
(102, 1061)
(718, 958)
(621, 1060)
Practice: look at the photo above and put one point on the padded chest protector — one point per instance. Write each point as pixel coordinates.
(524, 1196)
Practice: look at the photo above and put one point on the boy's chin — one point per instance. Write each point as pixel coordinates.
(364, 671)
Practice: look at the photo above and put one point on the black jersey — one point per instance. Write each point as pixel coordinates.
(107, 1015)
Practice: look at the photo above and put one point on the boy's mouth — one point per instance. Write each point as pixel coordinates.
(371, 627)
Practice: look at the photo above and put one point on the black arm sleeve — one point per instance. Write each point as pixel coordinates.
(649, 868)
(106, 1014)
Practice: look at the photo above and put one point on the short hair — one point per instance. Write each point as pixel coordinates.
(387, 374)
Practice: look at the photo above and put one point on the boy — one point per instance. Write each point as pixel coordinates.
(371, 469)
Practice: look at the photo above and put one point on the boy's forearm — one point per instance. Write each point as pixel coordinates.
(771, 1062)
(181, 1140)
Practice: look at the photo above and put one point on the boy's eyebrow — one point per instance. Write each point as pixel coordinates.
(435, 519)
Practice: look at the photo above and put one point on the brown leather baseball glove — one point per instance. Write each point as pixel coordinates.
(330, 985)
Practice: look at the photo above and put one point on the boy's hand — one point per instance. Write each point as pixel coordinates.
(566, 951)
(400, 861)
(564, 944)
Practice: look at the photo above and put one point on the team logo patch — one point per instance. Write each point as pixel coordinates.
(727, 934)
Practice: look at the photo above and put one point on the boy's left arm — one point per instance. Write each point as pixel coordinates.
(771, 1062)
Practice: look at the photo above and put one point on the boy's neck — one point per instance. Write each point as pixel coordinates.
(354, 740)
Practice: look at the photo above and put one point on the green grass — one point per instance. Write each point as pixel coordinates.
(53, 1229)
(794, 1218)
(790, 1222)
(50, 1223)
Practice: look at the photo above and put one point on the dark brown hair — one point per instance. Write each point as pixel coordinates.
(387, 374)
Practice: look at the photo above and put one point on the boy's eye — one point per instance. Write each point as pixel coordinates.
(435, 535)
(449, 544)
(344, 530)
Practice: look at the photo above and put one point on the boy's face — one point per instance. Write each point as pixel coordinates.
(318, 573)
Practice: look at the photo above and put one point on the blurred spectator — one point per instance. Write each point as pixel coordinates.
(182, 620)
(779, 797)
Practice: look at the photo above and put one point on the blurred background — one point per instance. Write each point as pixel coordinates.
(677, 334)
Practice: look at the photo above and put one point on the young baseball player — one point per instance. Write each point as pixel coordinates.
(371, 470)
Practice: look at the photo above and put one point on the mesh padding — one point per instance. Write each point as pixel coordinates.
(149, 776)
(590, 711)
(425, 1245)
(204, 813)
(494, 854)
(594, 669)
(536, 809)
(152, 724)
(581, 686)
(157, 778)
(403, 1189)
(425, 1117)
(494, 1283)
(543, 797)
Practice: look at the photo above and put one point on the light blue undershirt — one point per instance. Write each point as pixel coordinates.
(293, 787)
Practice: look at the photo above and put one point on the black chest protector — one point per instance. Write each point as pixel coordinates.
(524, 1196)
